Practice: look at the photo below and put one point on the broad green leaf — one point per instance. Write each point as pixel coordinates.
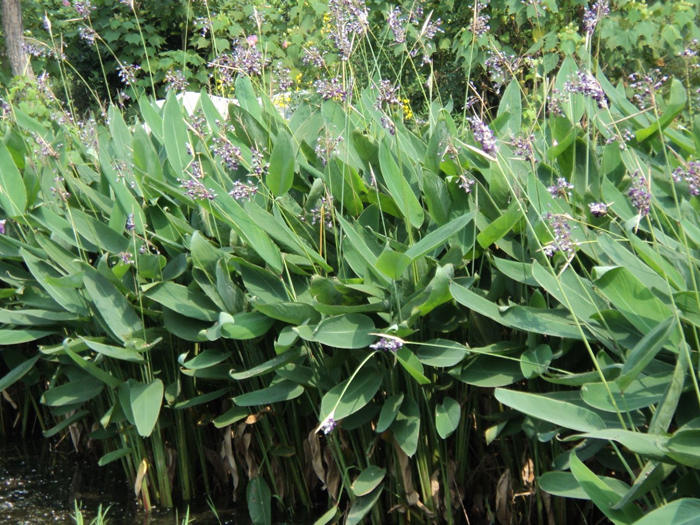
(406, 427)
(204, 254)
(388, 413)
(67, 297)
(17, 372)
(13, 193)
(648, 478)
(683, 511)
(327, 516)
(511, 105)
(344, 331)
(440, 352)
(18, 336)
(98, 233)
(398, 186)
(535, 361)
(281, 391)
(561, 413)
(205, 359)
(361, 506)
(91, 368)
(649, 445)
(439, 236)
(489, 372)
(246, 325)
(245, 94)
(280, 175)
(601, 494)
(501, 226)
(683, 447)
(259, 501)
(112, 306)
(184, 300)
(367, 480)
(447, 415)
(633, 299)
(145, 400)
(392, 263)
(666, 410)
(231, 416)
(63, 424)
(73, 392)
(641, 392)
(412, 365)
(643, 352)
(115, 352)
(114, 455)
(202, 399)
(565, 485)
(268, 366)
(347, 398)
(538, 320)
(175, 135)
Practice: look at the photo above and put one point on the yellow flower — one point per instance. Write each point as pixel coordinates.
(406, 107)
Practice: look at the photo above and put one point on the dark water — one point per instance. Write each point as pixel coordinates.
(39, 485)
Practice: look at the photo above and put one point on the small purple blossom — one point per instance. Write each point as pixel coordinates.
(388, 125)
(523, 147)
(562, 236)
(644, 87)
(466, 183)
(391, 344)
(349, 20)
(431, 28)
(598, 209)
(175, 80)
(326, 146)
(639, 193)
(312, 56)
(127, 73)
(3, 222)
(396, 22)
(483, 135)
(593, 14)
(480, 23)
(323, 213)
(691, 175)
(126, 258)
(87, 34)
(194, 189)
(243, 191)
(227, 153)
(388, 94)
(258, 165)
(130, 223)
(562, 188)
(330, 89)
(83, 8)
(588, 86)
(328, 425)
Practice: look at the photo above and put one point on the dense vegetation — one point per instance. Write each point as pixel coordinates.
(436, 262)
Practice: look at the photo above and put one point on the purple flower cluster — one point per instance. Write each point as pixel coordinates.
(594, 14)
(523, 147)
(598, 209)
(87, 34)
(331, 89)
(691, 175)
(243, 191)
(127, 73)
(126, 257)
(258, 165)
(466, 183)
(243, 59)
(175, 80)
(196, 190)
(391, 344)
(349, 19)
(328, 425)
(639, 193)
(397, 21)
(645, 86)
(562, 188)
(323, 213)
(388, 94)
(388, 124)
(483, 135)
(326, 146)
(130, 223)
(83, 8)
(312, 56)
(3, 222)
(562, 236)
(587, 85)
(226, 152)
(480, 23)
(283, 76)
(501, 68)
(432, 28)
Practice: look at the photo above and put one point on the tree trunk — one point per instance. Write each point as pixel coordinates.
(14, 39)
